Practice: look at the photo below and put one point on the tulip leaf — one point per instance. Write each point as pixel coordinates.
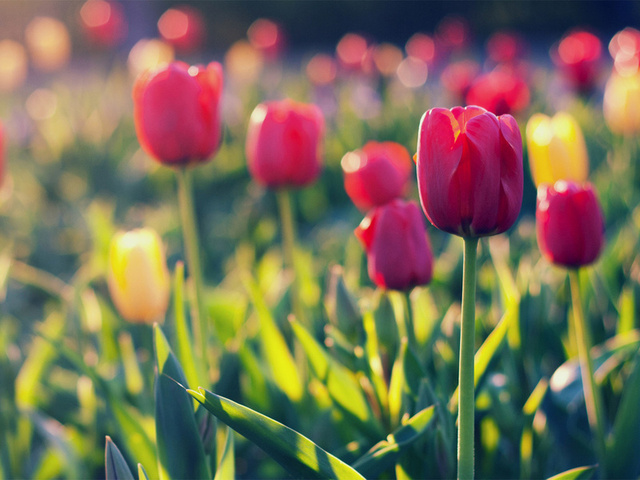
(115, 465)
(226, 465)
(489, 347)
(622, 460)
(341, 385)
(382, 455)
(193, 371)
(579, 473)
(274, 346)
(180, 450)
(142, 473)
(295, 452)
(406, 375)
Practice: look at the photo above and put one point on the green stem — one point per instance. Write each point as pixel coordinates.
(466, 394)
(283, 197)
(592, 395)
(192, 250)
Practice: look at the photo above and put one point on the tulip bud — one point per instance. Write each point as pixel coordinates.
(398, 251)
(177, 112)
(376, 174)
(284, 143)
(138, 278)
(569, 223)
(578, 56)
(499, 91)
(620, 104)
(470, 176)
(557, 150)
(104, 22)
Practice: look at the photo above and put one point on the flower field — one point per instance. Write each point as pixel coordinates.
(375, 260)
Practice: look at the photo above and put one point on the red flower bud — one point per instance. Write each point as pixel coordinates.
(284, 143)
(578, 56)
(399, 255)
(499, 91)
(569, 223)
(104, 22)
(376, 174)
(177, 112)
(470, 175)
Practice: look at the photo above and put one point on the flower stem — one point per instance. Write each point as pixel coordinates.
(592, 395)
(466, 394)
(283, 197)
(192, 250)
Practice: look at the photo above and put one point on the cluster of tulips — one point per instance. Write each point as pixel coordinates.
(468, 166)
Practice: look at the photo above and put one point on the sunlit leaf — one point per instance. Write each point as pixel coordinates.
(580, 473)
(180, 450)
(296, 453)
(226, 465)
(116, 467)
(383, 454)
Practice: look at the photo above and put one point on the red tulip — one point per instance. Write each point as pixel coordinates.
(177, 112)
(104, 22)
(183, 27)
(376, 174)
(499, 91)
(470, 175)
(578, 56)
(267, 37)
(399, 255)
(457, 77)
(284, 143)
(569, 223)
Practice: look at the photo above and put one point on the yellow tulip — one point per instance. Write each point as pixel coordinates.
(557, 150)
(138, 277)
(620, 105)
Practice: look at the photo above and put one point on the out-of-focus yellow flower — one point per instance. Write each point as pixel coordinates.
(243, 62)
(621, 100)
(557, 150)
(148, 54)
(48, 42)
(13, 65)
(138, 277)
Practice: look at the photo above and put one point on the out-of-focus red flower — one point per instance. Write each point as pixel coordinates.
(268, 37)
(354, 53)
(569, 223)
(284, 143)
(457, 77)
(470, 174)
(578, 56)
(321, 69)
(505, 48)
(422, 47)
(624, 48)
(399, 255)
(104, 22)
(452, 34)
(183, 27)
(177, 112)
(499, 91)
(387, 57)
(376, 174)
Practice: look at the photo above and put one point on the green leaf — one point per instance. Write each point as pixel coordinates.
(341, 385)
(488, 349)
(580, 473)
(295, 452)
(384, 453)
(115, 465)
(622, 458)
(274, 346)
(194, 372)
(226, 465)
(142, 473)
(180, 450)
